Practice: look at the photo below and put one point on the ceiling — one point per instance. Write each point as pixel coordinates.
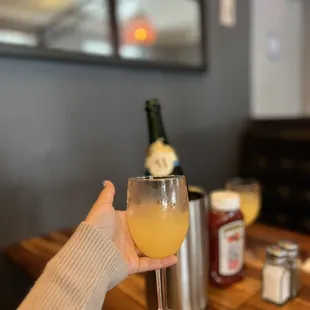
(36, 5)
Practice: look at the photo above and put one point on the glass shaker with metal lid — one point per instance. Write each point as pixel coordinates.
(276, 276)
(293, 262)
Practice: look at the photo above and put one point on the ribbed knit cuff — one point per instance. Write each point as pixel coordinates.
(93, 254)
(80, 274)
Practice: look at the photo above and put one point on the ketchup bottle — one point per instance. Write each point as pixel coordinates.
(226, 238)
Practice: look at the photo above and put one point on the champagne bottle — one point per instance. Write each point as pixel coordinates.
(161, 159)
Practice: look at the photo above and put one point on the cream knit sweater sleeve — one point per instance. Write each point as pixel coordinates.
(78, 277)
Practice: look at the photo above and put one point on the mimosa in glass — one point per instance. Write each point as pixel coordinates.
(158, 231)
(250, 197)
(158, 219)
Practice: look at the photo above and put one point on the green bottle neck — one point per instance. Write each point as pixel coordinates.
(156, 126)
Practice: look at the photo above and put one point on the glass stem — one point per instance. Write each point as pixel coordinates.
(161, 283)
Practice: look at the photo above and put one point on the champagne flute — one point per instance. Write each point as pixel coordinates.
(250, 197)
(158, 218)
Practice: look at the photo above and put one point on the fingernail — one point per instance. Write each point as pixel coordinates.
(103, 184)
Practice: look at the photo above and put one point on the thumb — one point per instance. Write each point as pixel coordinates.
(106, 196)
(101, 210)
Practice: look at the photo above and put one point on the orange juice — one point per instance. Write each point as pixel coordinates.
(250, 206)
(158, 231)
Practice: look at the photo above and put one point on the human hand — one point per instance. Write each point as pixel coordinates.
(114, 225)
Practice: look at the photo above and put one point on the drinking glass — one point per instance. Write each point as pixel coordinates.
(250, 197)
(158, 218)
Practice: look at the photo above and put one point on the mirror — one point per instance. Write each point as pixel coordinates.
(158, 33)
(65, 25)
(160, 30)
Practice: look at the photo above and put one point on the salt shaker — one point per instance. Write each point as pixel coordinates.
(293, 262)
(276, 276)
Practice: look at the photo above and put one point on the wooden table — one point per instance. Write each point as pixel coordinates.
(33, 254)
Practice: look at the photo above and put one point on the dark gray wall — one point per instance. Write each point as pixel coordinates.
(65, 128)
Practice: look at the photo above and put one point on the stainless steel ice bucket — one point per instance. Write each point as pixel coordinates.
(187, 281)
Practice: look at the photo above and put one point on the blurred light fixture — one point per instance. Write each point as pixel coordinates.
(139, 30)
(141, 34)
(53, 4)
